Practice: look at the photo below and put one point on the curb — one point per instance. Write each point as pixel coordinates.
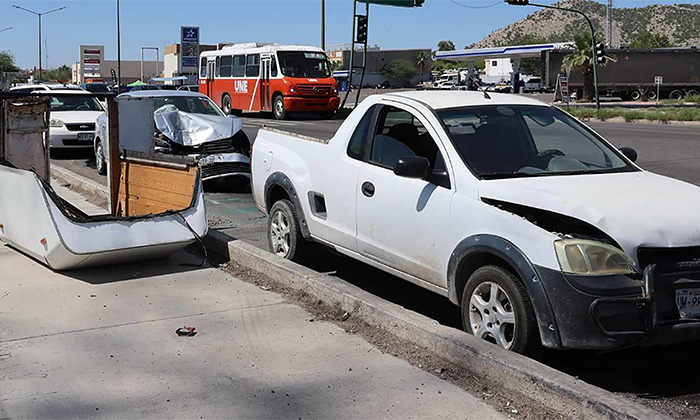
(558, 391)
(80, 181)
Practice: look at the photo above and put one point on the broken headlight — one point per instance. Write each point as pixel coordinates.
(581, 256)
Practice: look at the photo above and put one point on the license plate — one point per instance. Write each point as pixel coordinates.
(211, 159)
(688, 302)
(87, 137)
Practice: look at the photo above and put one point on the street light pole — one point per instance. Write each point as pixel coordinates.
(593, 43)
(39, 15)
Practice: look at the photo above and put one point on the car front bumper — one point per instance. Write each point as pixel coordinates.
(608, 312)
(301, 104)
(62, 138)
(223, 165)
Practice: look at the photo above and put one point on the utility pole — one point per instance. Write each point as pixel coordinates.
(609, 22)
(39, 15)
(323, 25)
(119, 52)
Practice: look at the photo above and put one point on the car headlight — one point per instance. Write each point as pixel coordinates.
(292, 90)
(581, 256)
(55, 123)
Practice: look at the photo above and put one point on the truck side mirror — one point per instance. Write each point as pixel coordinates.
(412, 167)
(629, 153)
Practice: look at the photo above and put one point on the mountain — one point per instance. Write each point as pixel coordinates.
(679, 22)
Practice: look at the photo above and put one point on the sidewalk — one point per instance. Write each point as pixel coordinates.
(100, 343)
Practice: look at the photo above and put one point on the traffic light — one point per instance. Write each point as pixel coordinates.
(362, 29)
(600, 53)
(518, 2)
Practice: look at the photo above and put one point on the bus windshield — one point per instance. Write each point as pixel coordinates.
(304, 64)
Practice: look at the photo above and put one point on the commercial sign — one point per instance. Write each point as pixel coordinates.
(189, 49)
(91, 59)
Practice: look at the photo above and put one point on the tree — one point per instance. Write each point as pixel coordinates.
(7, 62)
(61, 73)
(421, 58)
(646, 39)
(446, 46)
(400, 70)
(336, 65)
(582, 57)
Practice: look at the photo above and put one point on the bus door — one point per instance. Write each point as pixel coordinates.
(265, 72)
(211, 69)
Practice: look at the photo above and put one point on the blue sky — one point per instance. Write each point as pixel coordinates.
(157, 23)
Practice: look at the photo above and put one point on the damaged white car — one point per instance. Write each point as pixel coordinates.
(538, 228)
(189, 123)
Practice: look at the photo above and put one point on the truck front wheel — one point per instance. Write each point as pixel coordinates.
(496, 307)
(283, 232)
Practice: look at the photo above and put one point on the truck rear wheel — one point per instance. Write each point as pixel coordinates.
(496, 307)
(278, 108)
(283, 233)
(676, 95)
(636, 95)
(692, 92)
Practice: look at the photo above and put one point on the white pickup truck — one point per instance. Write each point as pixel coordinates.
(540, 230)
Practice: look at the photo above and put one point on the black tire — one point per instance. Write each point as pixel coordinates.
(278, 108)
(100, 161)
(524, 335)
(676, 95)
(636, 95)
(297, 247)
(692, 92)
(226, 104)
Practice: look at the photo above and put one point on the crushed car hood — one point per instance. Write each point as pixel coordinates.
(194, 129)
(635, 208)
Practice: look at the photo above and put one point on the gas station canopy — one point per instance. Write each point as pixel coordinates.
(519, 51)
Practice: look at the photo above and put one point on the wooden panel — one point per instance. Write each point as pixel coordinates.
(149, 189)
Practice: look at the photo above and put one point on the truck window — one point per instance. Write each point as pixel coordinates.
(399, 133)
(203, 67)
(225, 66)
(273, 67)
(239, 66)
(252, 67)
(358, 141)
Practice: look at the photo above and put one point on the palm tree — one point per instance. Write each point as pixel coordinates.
(421, 58)
(582, 57)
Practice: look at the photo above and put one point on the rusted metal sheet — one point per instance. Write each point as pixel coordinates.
(24, 138)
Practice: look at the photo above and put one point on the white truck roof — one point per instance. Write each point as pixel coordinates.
(452, 99)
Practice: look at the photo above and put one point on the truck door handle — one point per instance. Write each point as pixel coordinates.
(368, 189)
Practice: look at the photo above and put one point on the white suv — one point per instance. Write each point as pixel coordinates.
(73, 114)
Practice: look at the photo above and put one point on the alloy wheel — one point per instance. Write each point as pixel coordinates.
(279, 234)
(491, 314)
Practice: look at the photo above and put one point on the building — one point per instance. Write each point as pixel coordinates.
(93, 67)
(172, 62)
(377, 59)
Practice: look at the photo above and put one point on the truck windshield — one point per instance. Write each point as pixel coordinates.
(510, 141)
(191, 104)
(304, 64)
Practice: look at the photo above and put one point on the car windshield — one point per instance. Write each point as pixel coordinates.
(75, 103)
(304, 64)
(191, 104)
(523, 140)
(97, 88)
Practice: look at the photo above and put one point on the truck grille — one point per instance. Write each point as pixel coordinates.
(81, 127)
(308, 89)
(667, 256)
(224, 169)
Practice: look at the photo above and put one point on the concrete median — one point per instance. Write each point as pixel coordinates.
(561, 393)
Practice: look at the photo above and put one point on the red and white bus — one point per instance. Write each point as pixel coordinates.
(277, 78)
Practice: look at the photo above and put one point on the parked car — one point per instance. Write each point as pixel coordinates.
(533, 84)
(189, 88)
(189, 123)
(72, 123)
(540, 230)
(96, 87)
